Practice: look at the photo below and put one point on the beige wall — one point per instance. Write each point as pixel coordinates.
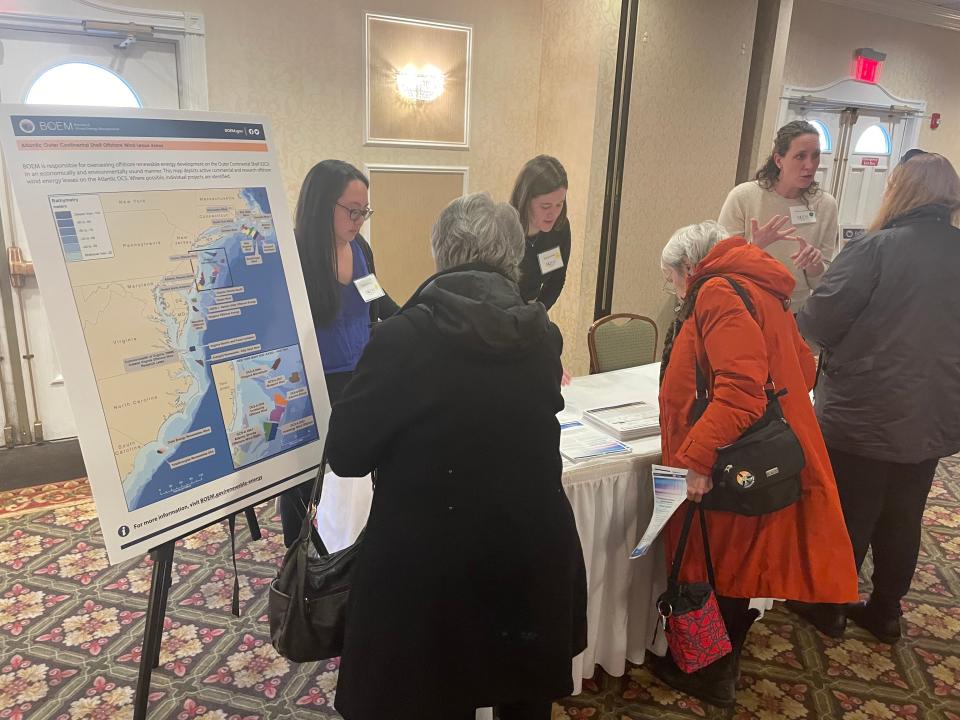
(302, 63)
(576, 87)
(923, 62)
(689, 86)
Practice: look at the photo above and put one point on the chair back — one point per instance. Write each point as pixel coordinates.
(621, 340)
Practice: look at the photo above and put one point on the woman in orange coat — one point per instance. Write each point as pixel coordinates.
(801, 552)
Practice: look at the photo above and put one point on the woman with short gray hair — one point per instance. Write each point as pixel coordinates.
(689, 245)
(474, 228)
(471, 576)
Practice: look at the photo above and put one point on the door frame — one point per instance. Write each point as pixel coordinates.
(186, 31)
(367, 229)
(853, 93)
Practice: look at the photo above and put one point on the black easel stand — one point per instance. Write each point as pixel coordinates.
(162, 557)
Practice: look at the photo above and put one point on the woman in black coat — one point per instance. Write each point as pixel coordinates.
(888, 400)
(470, 589)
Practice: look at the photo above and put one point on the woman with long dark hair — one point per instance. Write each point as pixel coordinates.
(784, 211)
(888, 399)
(540, 196)
(345, 299)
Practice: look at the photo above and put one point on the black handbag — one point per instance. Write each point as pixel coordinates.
(759, 473)
(307, 605)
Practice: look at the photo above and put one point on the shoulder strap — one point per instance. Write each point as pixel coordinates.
(693, 509)
(310, 512)
(737, 288)
(703, 387)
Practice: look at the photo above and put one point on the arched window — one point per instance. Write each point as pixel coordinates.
(79, 83)
(874, 141)
(826, 142)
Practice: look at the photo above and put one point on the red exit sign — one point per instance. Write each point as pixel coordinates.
(870, 161)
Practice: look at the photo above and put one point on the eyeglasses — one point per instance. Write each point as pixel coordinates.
(357, 213)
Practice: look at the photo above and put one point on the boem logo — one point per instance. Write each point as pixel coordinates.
(27, 125)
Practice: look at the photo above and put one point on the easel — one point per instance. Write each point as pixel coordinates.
(161, 579)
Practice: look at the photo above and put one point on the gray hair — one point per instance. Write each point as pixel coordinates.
(692, 244)
(474, 228)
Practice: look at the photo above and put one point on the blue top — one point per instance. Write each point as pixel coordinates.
(342, 342)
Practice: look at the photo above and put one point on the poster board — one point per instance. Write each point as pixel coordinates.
(168, 268)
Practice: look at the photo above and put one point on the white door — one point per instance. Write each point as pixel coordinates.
(875, 144)
(66, 69)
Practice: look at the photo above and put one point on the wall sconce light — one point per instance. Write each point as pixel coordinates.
(420, 84)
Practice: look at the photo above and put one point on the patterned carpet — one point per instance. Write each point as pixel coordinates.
(71, 626)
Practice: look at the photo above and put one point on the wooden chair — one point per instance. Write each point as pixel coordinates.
(621, 340)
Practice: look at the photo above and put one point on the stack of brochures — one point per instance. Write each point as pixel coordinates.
(628, 421)
(580, 442)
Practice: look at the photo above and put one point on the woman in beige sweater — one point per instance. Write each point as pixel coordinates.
(784, 212)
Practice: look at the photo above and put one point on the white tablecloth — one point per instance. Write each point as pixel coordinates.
(612, 500)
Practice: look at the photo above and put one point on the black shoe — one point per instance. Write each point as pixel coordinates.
(715, 684)
(829, 619)
(884, 627)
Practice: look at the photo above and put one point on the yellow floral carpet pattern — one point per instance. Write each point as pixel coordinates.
(791, 672)
(71, 628)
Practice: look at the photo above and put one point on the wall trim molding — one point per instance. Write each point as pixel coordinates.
(911, 10)
(184, 29)
(368, 139)
(852, 92)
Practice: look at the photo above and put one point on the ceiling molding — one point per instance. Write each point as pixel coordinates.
(912, 10)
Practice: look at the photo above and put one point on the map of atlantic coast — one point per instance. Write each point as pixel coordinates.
(188, 323)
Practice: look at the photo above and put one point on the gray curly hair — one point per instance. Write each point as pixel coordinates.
(691, 244)
(474, 228)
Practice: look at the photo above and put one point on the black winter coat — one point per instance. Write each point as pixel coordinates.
(887, 313)
(470, 588)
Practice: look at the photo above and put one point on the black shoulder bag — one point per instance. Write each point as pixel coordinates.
(759, 473)
(307, 605)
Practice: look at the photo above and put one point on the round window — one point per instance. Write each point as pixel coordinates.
(78, 83)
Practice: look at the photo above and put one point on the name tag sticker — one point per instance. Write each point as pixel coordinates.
(369, 288)
(800, 215)
(550, 260)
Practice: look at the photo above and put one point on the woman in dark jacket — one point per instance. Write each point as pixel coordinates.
(888, 399)
(332, 208)
(540, 196)
(470, 589)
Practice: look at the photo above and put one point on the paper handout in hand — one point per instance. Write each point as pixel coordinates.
(669, 492)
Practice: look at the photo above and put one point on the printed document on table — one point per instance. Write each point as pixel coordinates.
(627, 421)
(579, 442)
(669, 492)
